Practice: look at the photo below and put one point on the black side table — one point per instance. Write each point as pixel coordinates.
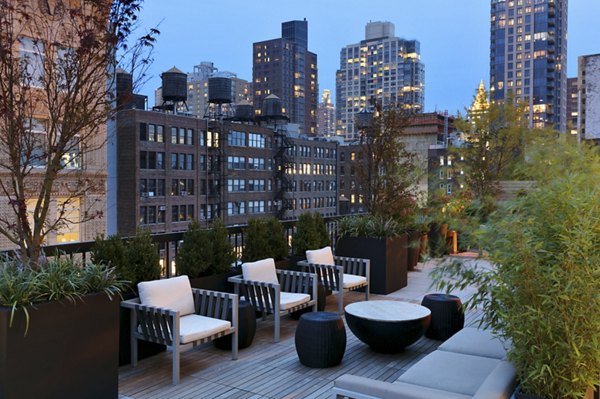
(320, 339)
(246, 327)
(447, 316)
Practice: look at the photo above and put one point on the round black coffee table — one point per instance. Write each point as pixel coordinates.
(447, 316)
(387, 326)
(320, 339)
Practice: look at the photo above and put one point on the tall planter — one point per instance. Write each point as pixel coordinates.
(388, 260)
(71, 350)
(215, 282)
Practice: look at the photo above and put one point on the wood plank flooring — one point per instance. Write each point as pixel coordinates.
(265, 369)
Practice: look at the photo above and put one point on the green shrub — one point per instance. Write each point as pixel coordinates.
(195, 254)
(278, 245)
(311, 233)
(256, 243)
(143, 257)
(368, 226)
(111, 251)
(223, 253)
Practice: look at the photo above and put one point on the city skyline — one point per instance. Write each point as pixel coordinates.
(454, 41)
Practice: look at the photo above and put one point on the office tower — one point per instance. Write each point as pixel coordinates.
(528, 57)
(588, 82)
(572, 105)
(326, 116)
(382, 67)
(284, 67)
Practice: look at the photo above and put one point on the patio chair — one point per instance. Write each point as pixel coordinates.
(338, 273)
(171, 313)
(276, 292)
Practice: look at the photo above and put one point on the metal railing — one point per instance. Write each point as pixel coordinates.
(168, 243)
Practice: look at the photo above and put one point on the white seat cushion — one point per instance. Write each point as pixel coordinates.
(352, 280)
(323, 256)
(171, 293)
(289, 300)
(194, 327)
(261, 270)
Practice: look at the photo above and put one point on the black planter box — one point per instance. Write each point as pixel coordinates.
(414, 248)
(215, 282)
(388, 260)
(71, 350)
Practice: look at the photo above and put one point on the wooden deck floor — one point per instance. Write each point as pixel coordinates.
(265, 369)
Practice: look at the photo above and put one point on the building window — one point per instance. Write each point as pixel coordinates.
(236, 208)
(237, 139)
(236, 162)
(32, 60)
(256, 140)
(236, 185)
(256, 163)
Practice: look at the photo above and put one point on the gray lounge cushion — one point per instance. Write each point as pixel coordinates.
(451, 372)
(476, 342)
(500, 383)
(386, 390)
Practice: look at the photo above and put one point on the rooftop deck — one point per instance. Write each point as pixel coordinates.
(272, 370)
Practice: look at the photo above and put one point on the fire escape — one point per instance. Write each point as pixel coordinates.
(284, 163)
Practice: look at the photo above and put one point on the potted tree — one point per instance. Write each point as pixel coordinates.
(311, 233)
(134, 259)
(206, 257)
(265, 238)
(543, 289)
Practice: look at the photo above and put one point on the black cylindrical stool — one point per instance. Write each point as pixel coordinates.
(320, 339)
(447, 316)
(246, 327)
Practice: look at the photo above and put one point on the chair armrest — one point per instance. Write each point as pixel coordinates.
(213, 304)
(356, 266)
(155, 324)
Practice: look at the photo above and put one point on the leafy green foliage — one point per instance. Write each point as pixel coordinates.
(143, 257)
(57, 278)
(223, 253)
(368, 226)
(265, 238)
(195, 254)
(111, 251)
(311, 233)
(542, 292)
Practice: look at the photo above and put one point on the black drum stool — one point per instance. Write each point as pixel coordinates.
(320, 339)
(447, 316)
(246, 327)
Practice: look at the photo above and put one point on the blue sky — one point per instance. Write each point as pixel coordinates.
(454, 36)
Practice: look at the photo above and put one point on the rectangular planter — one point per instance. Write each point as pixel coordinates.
(71, 350)
(388, 260)
(215, 282)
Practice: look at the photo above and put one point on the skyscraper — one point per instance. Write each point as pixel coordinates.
(572, 105)
(528, 57)
(382, 67)
(326, 116)
(286, 68)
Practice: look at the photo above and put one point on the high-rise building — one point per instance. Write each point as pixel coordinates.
(326, 116)
(382, 67)
(528, 57)
(572, 105)
(284, 67)
(588, 83)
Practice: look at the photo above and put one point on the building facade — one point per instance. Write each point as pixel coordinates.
(572, 105)
(383, 68)
(588, 83)
(326, 116)
(528, 58)
(284, 67)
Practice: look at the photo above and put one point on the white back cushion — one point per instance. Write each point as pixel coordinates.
(261, 270)
(171, 293)
(323, 256)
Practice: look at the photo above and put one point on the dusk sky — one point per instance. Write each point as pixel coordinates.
(454, 37)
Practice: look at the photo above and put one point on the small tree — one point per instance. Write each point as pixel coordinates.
(195, 255)
(223, 253)
(111, 251)
(143, 257)
(56, 94)
(311, 233)
(389, 177)
(277, 241)
(256, 245)
(495, 137)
